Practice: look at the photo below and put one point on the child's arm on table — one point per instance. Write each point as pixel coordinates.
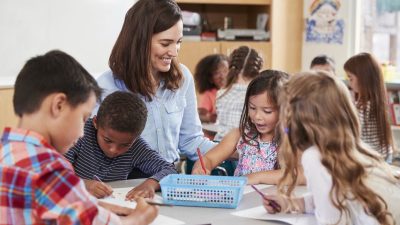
(273, 176)
(219, 153)
(146, 189)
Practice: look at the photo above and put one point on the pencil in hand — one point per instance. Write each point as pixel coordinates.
(158, 203)
(272, 203)
(99, 180)
(201, 160)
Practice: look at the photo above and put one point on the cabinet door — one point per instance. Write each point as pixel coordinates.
(192, 52)
(7, 116)
(263, 48)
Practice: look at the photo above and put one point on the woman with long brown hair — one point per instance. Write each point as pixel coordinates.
(144, 61)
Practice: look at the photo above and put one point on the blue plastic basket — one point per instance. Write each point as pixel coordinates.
(204, 191)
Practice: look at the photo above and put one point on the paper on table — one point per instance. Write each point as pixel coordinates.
(119, 199)
(247, 189)
(260, 214)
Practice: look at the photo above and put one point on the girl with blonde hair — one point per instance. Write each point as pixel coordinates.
(348, 182)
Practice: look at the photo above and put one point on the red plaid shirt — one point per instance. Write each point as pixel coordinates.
(38, 185)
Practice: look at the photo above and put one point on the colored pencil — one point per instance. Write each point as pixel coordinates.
(201, 160)
(272, 203)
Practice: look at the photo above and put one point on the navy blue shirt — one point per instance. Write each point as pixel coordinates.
(88, 159)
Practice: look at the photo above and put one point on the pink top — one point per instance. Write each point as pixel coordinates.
(207, 100)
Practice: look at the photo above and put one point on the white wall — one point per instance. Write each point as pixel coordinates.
(85, 29)
(340, 53)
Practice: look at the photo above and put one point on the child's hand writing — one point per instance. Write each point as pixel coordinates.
(198, 169)
(146, 190)
(98, 188)
(274, 204)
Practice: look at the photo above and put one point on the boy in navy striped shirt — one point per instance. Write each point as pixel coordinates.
(112, 147)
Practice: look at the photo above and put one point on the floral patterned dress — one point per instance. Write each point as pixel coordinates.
(256, 156)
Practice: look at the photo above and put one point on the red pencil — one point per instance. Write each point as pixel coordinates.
(201, 160)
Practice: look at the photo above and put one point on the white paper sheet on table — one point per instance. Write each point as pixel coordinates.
(249, 189)
(260, 214)
(119, 199)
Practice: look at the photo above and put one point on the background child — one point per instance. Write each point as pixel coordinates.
(323, 62)
(112, 147)
(210, 76)
(256, 140)
(244, 66)
(366, 81)
(349, 183)
(53, 97)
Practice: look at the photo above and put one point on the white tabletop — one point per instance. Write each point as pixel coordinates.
(214, 216)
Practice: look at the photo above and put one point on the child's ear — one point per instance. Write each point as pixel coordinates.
(59, 103)
(94, 121)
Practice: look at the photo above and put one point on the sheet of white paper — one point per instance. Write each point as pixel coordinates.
(249, 189)
(260, 214)
(119, 199)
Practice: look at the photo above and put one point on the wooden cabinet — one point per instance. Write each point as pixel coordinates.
(191, 51)
(285, 24)
(7, 116)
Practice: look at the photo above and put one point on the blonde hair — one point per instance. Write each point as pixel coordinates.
(317, 111)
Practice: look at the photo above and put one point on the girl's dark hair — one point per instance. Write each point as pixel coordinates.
(130, 56)
(53, 72)
(371, 89)
(245, 61)
(269, 82)
(205, 70)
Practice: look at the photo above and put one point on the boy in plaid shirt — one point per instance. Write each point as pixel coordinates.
(53, 97)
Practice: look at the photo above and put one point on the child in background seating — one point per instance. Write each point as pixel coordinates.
(348, 182)
(256, 140)
(53, 97)
(366, 81)
(112, 147)
(210, 76)
(323, 62)
(244, 65)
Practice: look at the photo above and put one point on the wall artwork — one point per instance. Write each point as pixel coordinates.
(323, 26)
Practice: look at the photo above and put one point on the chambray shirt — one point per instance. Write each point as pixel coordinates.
(173, 125)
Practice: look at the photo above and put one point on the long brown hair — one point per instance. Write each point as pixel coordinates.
(130, 56)
(316, 110)
(371, 89)
(269, 82)
(243, 60)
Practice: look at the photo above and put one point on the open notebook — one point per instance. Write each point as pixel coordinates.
(118, 198)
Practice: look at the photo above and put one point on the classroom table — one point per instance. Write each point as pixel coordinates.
(214, 216)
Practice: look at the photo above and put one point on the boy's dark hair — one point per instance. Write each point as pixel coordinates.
(205, 70)
(269, 81)
(323, 60)
(123, 112)
(50, 73)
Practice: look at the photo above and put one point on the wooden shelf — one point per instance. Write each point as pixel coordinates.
(227, 2)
